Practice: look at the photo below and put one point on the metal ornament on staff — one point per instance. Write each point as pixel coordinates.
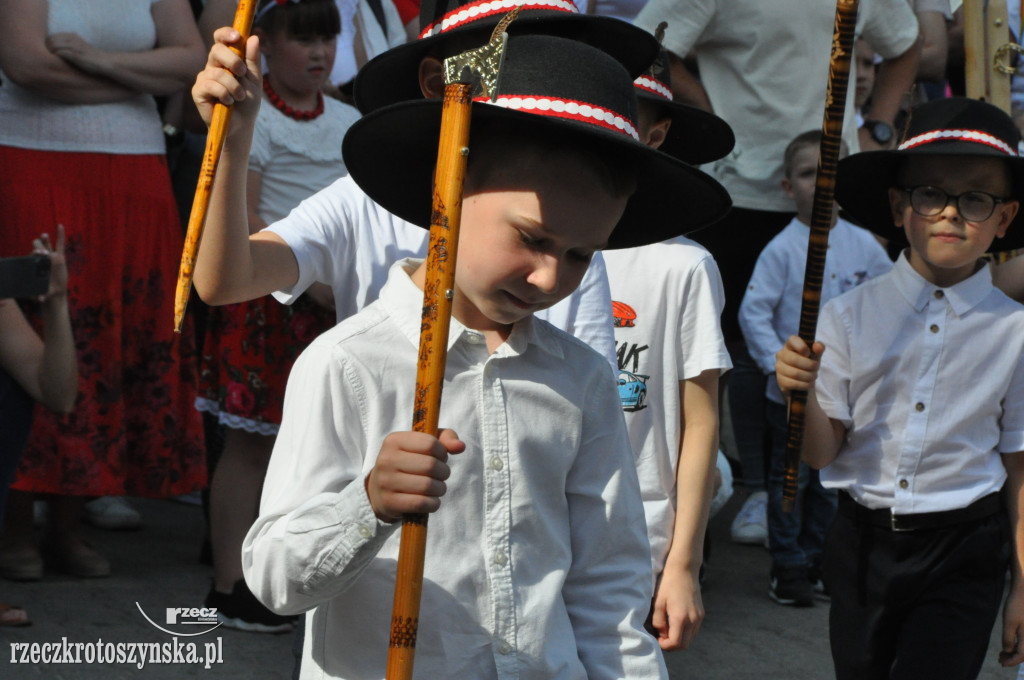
(208, 170)
(821, 222)
(462, 72)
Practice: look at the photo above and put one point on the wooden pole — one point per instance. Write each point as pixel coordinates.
(988, 52)
(208, 170)
(821, 222)
(483, 65)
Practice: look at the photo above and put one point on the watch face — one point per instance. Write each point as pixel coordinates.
(881, 132)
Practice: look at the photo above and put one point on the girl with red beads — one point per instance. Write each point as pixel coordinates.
(250, 347)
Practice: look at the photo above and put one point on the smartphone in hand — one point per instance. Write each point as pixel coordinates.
(22, 277)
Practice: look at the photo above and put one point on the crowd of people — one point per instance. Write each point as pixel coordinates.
(627, 291)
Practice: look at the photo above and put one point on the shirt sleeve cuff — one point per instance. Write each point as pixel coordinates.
(1011, 442)
(360, 536)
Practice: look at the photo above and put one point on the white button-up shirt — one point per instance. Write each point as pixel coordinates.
(770, 311)
(537, 563)
(929, 383)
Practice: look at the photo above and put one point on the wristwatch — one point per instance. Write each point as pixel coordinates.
(880, 131)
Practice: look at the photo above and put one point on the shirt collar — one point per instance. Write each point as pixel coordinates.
(403, 301)
(962, 297)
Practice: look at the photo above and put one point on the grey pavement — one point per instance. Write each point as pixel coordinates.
(745, 635)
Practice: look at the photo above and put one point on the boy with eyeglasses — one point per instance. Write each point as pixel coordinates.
(915, 409)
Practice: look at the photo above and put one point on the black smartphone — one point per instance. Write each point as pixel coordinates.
(22, 277)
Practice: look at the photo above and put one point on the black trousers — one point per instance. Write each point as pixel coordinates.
(918, 604)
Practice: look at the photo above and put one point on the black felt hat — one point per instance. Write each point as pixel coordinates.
(448, 27)
(695, 136)
(956, 126)
(551, 85)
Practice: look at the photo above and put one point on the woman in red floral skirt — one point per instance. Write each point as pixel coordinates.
(81, 144)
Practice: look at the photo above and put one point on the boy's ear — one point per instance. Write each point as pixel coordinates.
(657, 133)
(897, 202)
(1007, 213)
(787, 186)
(431, 77)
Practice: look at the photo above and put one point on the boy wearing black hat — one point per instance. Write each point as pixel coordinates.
(537, 561)
(915, 411)
(342, 238)
(667, 300)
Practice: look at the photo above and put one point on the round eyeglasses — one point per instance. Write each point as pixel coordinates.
(973, 206)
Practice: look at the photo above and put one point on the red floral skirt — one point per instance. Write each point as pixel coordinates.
(134, 430)
(247, 356)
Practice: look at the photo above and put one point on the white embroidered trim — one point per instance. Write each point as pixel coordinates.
(653, 86)
(485, 8)
(555, 107)
(968, 135)
(204, 405)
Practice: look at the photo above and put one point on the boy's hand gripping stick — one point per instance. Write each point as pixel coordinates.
(821, 222)
(211, 157)
(481, 66)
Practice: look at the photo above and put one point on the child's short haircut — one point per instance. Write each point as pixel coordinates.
(802, 140)
(309, 18)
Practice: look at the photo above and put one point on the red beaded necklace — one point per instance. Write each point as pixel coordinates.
(289, 111)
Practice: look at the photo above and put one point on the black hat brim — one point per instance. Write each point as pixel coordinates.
(392, 152)
(863, 181)
(393, 76)
(695, 136)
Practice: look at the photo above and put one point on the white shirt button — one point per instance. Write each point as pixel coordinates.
(504, 648)
(364, 531)
(500, 558)
(497, 463)
(474, 338)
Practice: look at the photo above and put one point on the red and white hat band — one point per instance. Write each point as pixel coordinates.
(566, 108)
(975, 136)
(481, 9)
(655, 87)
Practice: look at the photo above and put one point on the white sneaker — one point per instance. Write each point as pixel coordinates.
(750, 526)
(112, 512)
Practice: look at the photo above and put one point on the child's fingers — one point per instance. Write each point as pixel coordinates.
(1012, 653)
(450, 441)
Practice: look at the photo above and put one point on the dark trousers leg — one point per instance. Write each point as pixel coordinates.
(915, 604)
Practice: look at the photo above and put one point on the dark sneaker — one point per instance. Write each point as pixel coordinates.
(242, 611)
(791, 586)
(818, 586)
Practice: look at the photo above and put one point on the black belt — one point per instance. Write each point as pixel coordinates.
(885, 519)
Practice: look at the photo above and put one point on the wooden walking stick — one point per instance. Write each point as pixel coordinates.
(211, 157)
(821, 222)
(987, 50)
(482, 65)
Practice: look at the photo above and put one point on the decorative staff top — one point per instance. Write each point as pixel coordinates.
(481, 66)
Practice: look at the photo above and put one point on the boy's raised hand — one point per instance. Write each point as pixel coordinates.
(408, 477)
(230, 80)
(794, 368)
